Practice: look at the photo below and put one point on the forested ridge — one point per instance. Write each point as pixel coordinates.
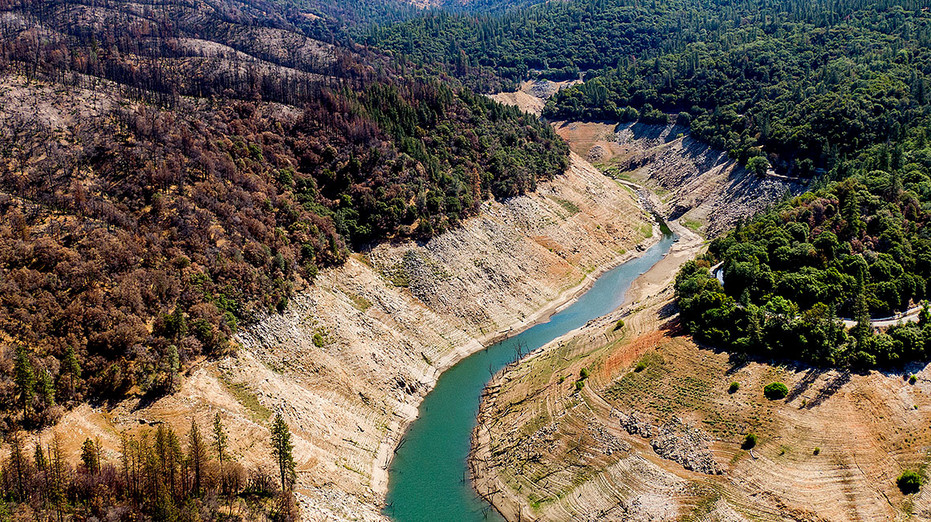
(166, 181)
(858, 248)
(797, 84)
(835, 92)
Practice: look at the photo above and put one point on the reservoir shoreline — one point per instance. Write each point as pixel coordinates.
(445, 418)
(388, 447)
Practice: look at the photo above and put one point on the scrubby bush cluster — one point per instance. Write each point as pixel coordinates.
(775, 391)
(909, 482)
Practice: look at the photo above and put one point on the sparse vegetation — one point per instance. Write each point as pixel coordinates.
(570, 207)
(580, 382)
(361, 303)
(152, 477)
(691, 224)
(244, 396)
(775, 391)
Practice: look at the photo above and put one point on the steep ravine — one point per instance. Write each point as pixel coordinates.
(351, 358)
(695, 183)
(654, 433)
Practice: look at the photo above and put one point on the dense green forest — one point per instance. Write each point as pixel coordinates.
(558, 40)
(833, 91)
(798, 83)
(799, 95)
(857, 248)
(184, 185)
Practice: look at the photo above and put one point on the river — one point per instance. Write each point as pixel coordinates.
(429, 477)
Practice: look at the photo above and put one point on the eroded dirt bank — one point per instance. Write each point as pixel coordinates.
(655, 434)
(696, 184)
(350, 360)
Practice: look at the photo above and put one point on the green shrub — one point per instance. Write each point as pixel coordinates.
(749, 441)
(579, 385)
(817, 451)
(775, 391)
(909, 482)
(912, 379)
(733, 387)
(640, 366)
(583, 374)
(618, 325)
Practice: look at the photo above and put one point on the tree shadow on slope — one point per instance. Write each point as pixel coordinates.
(804, 384)
(829, 389)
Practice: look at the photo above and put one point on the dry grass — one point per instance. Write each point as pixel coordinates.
(866, 428)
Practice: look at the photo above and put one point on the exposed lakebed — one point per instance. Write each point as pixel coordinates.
(429, 478)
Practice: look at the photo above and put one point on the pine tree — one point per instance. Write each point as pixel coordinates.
(41, 467)
(89, 457)
(863, 328)
(176, 457)
(46, 388)
(57, 470)
(25, 378)
(41, 462)
(219, 438)
(197, 454)
(126, 461)
(72, 368)
(282, 450)
(19, 467)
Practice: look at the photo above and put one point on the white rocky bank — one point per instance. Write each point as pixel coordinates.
(349, 361)
(388, 322)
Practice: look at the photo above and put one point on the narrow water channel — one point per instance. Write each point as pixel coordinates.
(429, 478)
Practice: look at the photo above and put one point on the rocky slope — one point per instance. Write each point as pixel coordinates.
(349, 360)
(687, 179)
(697, 184)
(655, 434)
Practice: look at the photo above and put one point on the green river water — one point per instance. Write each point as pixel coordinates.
(429, 478)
